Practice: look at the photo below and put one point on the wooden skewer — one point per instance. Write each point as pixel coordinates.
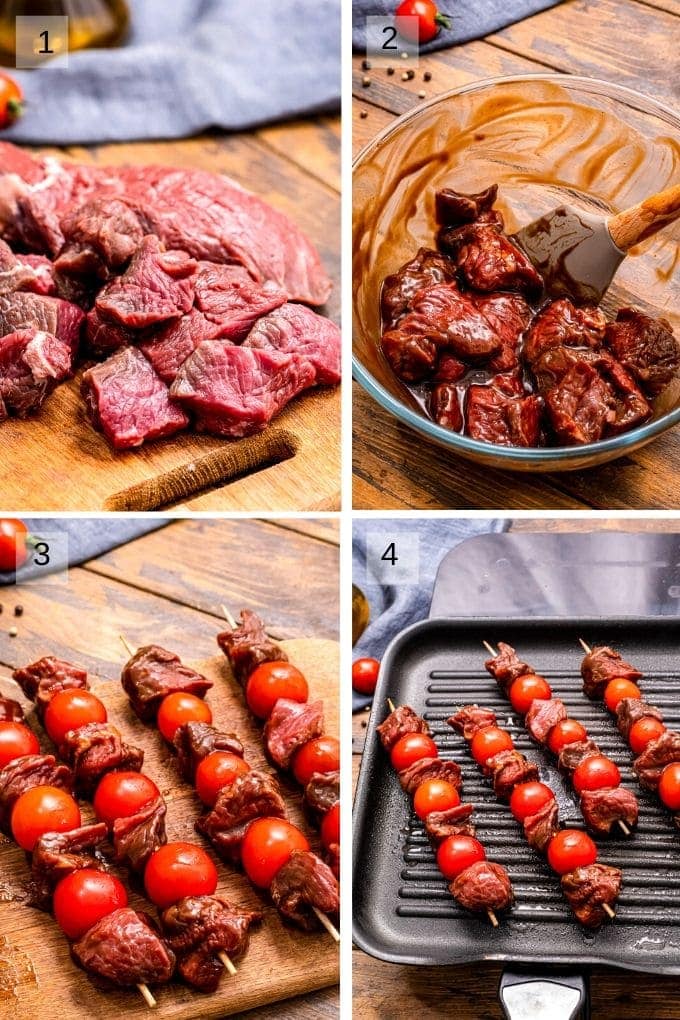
(490, 649)
(229, 618)
(624, 828)
(147, 996)
(390, 704)
(327, 923)
(126, 645)
(226, 963)
(493, 918)
(586, 648)
(608, 910)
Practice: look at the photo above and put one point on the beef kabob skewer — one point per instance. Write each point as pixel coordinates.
(118, 941)
(588, 887)
(595, 778)
(607, 676)
(434, 784)
(247, 824)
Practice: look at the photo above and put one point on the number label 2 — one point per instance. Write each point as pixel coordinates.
(391, 33)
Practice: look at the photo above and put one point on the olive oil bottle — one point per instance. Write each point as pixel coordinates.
(92, 23)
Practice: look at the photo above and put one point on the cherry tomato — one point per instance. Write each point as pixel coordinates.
(528, 798)
(177, 709)
(618, 689)
(411, 748)
(11, 100)
(71, 709)
(15, 741)
(435, 795)
(570, 849)
(121, 794)
(176, 870)
(267, 845)
(430, 21)
(456, 853)
(365, 675)
(568, 731)
(596, 773)
(669, 786)
(83, 898)
(43, 809)
(271, 681)
(330, 826)
(215, 771)
(641, 732)
(488, 741)
(321, 754)
(13, 533)
(528, 688)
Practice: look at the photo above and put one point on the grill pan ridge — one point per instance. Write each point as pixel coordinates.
(403, 912)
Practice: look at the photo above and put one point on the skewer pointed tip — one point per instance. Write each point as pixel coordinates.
(390, 704)
(490, 649)
(608, 910)
(327, 924)
(147, 996)
(226, 963)
(228, 617)
(586, 648)
(493, 918)
(128, 648)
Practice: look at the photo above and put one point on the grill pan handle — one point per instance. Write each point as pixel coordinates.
(530, 995)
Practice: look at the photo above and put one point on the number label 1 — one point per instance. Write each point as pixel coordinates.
(46, 36)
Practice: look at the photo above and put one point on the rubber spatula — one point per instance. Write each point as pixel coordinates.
(578, 253)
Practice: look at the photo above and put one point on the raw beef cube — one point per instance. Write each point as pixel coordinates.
(31, 365)
(158, 285)
(295, 329)
(105, 337)
(170, 346)
(14, 275)
(102, 236)
(127, 401)
(237, 390)
(48, 314)
(229, 297)
(43, 280)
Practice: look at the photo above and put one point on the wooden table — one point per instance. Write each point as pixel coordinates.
(632, 42)
(469, 992)
(167, 586)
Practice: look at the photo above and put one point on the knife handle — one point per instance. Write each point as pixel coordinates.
(643, 220)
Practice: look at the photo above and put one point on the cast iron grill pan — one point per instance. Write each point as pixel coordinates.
(402, 910)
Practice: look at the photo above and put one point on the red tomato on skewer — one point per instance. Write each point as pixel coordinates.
(215, 771)
(179, 708)
(618, 689)
(330, 826)
(569, 849)
(176, 870)
(411, 748)
(456, 853)
(528, 688)
(435, 795)
(71, 709)
(267, 845)
(273, 680)
(488, 741)
(528, 798)
(568, 731)
(122, 794)
(43, 809)
(321, 754)
(643, 731)
(16, 740)
(669, 786)
(596, 773)
(83, 898)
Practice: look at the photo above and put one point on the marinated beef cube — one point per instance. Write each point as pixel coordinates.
(305, 882)
(647, 349)
(196, 928)
(152, 673)
(42, 679)
(10, 710)
(449, 368)
(22, 774)
(502, 413)
(195, 740)
(411, 357)
(562, 324)
(587, 889)
(398, 723)
(95, 749)
(125, 949)
(443, 314)
(32, 364)
(58, 854)
(658, 753)
(439, 825)
(252, 795)
(128, 402)
(455, 208)
(59, 318)
(248, 645)
(573, 754)
(289, 726)
(444, 406)
(601, 809)
(508, 769)
(629, 710)
(600, 666)
(137, 836)
(429, 768)
(228, 296)
(509, 316)
(506, 667)
(169, 345)
(157, 285)
(540, 828)
(398, 290)
(489, 261)
(542, 716)
(483, 886)
(322, 792)
(296, 329)
(470, 719)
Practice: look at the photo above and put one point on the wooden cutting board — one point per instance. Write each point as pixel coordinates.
(39, 981)
(56, 461)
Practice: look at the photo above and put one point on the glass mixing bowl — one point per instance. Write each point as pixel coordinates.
(545, 140)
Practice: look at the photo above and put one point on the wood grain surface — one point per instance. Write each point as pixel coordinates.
(631, 42)
(57, 461)
(470, 992)
(150, 590)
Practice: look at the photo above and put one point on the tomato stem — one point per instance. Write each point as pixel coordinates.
(442, 20)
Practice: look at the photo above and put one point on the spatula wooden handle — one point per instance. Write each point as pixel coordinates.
(643, 220)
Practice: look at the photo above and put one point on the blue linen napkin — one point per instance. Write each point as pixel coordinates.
(470, 19)
(86, 538)
(394, 607)
(186, 67)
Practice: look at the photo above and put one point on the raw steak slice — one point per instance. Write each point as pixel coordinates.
(48, 314)
(295, 329)
(228, 296)
(127, 401)
(31, 365)
(172, 343)
(156, 286)
(236, 391)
